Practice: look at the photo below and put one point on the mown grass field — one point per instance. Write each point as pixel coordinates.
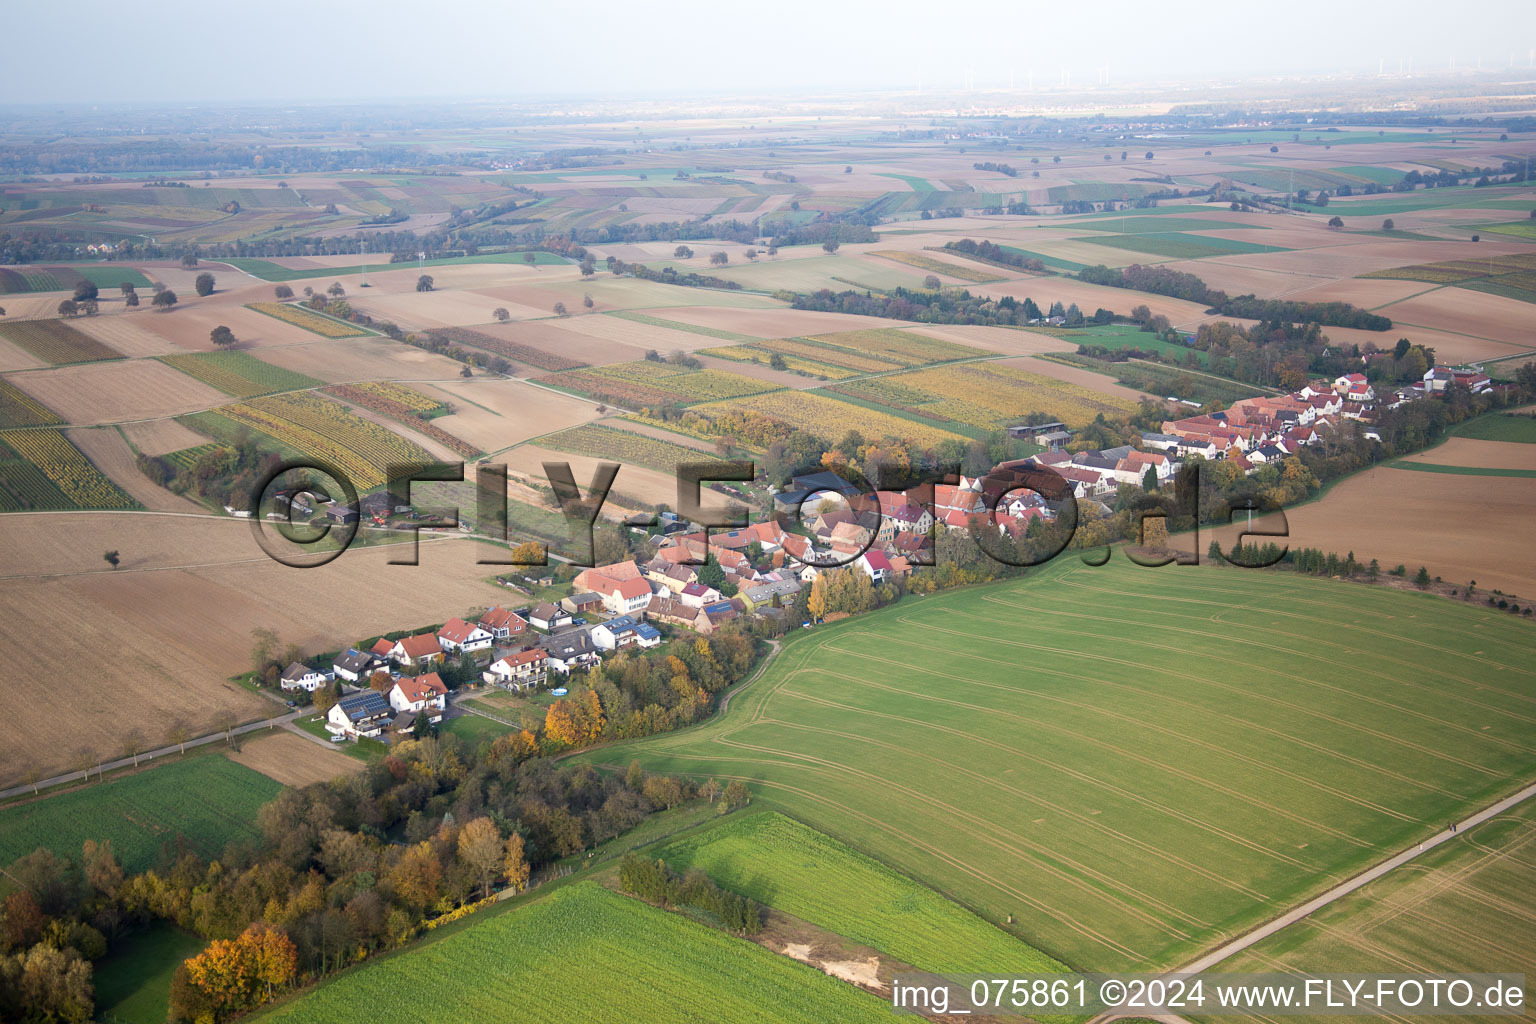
(1499, 427)
(584, 954)
(791, 867)
(1462, 907)
(1135, 763)
(133, 983)
(1178, 245)
(209, 800)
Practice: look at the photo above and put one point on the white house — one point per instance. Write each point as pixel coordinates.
(875, 565)
(366, 713)
(353, 665)
(420, 694)
(624, 597)
(622, 632)
(523, 670)
(458, 636)
(418, 650)
(548, 616)
(302, 677)
(572, 649)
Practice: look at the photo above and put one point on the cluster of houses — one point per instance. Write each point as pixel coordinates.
(1257, 431)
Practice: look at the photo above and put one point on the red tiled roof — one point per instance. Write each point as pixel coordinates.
(502, 618)
(456, 631)
(421, 645)
(422, 687)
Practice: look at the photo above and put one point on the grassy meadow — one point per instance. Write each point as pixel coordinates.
(1134, 763)
(207, 800)
(584, 953)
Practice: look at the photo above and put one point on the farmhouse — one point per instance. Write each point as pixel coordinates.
(365, 713)
(875, 565)
(301, 677)
(420, 694)
(524, 670)
(458, 636)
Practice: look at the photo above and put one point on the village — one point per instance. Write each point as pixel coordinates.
(759, 575)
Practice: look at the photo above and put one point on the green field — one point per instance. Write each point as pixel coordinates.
(793, 868)
(1432, 467)
(584, 953)
(107, 276)
(1462, 907)
(1134, 763)
(239, 373)
(133, 982)
(208, 800)
(677, 325)
(1178, 245)
(1499, 427)
(1135, 224)
(1519, 228)
(474, 729)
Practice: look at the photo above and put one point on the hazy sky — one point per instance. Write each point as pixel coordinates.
(205, 50)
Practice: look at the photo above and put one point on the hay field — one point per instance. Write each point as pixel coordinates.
(169, 657)
(14, 357)
(770, 323)
(105, 447)
(345, 362)
(128, 334)
(1462, 311)
(137, 389)
(650, 486)
(160, 437)
(495, 414)
(1459, 527)
(1078, 749)
(1460, 908)
(291, 759)
(1470, 452)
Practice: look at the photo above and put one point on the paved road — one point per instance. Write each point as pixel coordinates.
(1338, 892)
(150, 755)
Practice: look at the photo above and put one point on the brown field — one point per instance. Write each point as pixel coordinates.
(1099, 382)
(357, 359)
(1468, 451)
(158, 437)
(112, 392)
(128, 333)
(1458, 527)
(1367, 293)
(1012, 341)
(1449, 348)
(1089, 297)
(648, 485)
(781, 322)
(187, 328)
(169, 655)
(292, 759)
(105, 447)
(417, 310)
(14, 357)
(1463, 311)
(32, 305)
(495, 414)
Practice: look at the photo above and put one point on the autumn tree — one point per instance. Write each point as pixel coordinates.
(222, 337)
(178, 732)
(736, 794)
(417, 877)
(514, 863)
(588, 301)
(111, 557)
(283, 291)
(682, 252)
(424, 283)
(480, 849)
(204, 284)
(559, 309)
(719, 259)
(164, 300)
(68, 307)
(501, 314)
(830, 246)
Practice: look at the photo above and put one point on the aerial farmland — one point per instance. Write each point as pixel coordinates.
(564, 548)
